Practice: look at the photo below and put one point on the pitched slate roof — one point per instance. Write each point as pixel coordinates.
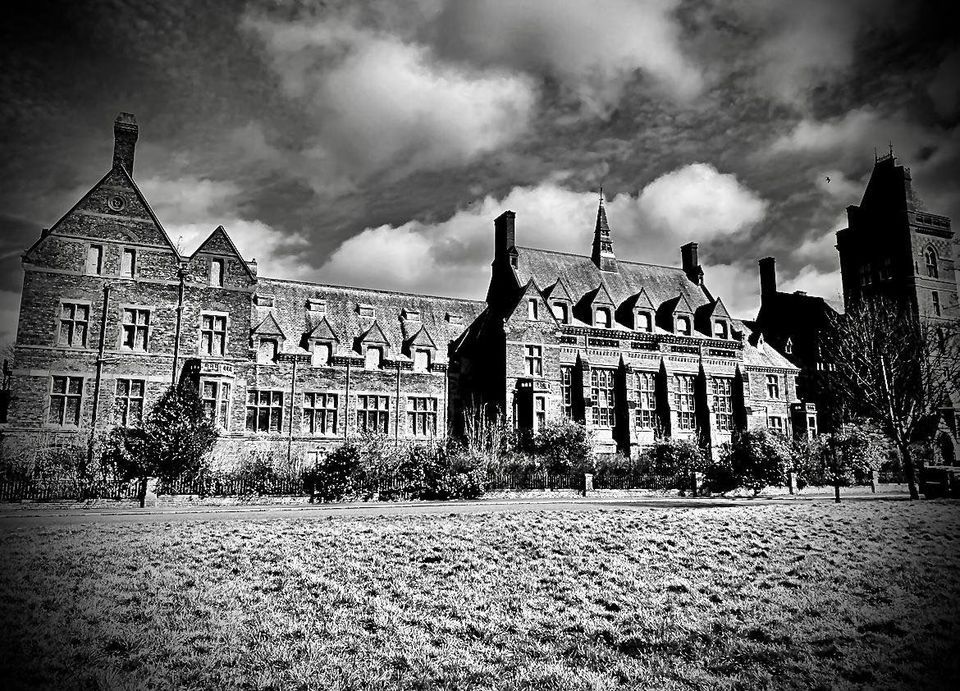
(343, 317)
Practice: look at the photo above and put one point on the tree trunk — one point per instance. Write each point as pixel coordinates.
(909, 471)
(142, 491)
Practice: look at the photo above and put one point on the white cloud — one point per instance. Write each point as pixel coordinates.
(384, 104)
(191, 208)
(593, 47)
(825, 284)
(699, 203)
(453, 256)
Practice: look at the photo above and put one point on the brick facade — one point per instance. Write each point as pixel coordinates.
(112, 314)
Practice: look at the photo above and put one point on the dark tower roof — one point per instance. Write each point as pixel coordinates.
(603, 255)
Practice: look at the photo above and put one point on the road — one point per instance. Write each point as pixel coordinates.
(14, 517)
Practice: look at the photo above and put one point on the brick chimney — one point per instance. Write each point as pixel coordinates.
(505, 236)
(125, 132)
(768, 276)
(690, 260)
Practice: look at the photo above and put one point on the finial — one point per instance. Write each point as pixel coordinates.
(891, 148)
(601, 195)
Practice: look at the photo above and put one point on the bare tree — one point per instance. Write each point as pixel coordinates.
(895, 368)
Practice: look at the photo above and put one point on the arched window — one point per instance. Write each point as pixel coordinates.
(930, 258)
(683, 325)
(602, 318)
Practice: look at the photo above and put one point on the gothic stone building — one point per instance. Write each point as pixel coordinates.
(112, 314)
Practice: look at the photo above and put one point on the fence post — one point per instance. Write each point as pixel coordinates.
(587, 483)
(874, 479)
(696, 484)
(791, 482)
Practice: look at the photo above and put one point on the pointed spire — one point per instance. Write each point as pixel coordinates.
(603, 255)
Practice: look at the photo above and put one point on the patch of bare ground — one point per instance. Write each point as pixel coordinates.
(776, 596)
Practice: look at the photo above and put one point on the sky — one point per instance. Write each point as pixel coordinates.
(372, 143)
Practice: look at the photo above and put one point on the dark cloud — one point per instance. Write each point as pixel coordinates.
(308, 124)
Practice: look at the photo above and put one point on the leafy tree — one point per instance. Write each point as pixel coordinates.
(895, 368)
(176, 435)
(672, 456)
(758, 459)
(563, 446)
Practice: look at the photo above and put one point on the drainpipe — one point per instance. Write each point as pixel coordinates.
(181, 273)
(98, 377)
(346, 402)
(396, 427)
(293, 391)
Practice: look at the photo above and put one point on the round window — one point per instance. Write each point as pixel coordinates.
(116, 203)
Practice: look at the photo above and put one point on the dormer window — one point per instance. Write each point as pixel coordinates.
(216, 272)
(366, 311)
(454, 318)
(264, 300)
(601, 318)
(411, 315)
(930, 259)
(317, 306)
(267, 352)
(533, 310)
(373, 358)
(720, 329)
(683, 325)
(644, 322)
(321, 354)
(421, 360)
(561, 313)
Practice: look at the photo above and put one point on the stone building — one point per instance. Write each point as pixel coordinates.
(632, 350)
(112, 314)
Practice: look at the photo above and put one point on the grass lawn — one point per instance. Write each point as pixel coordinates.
(803, 595)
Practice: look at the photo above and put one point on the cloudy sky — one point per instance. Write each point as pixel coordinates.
(373, 143)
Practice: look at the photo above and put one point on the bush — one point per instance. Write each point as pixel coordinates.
(758, 459)
(338, 475)
(563, 446)
(669, 457)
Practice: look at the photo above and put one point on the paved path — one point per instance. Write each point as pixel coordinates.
(21, 517)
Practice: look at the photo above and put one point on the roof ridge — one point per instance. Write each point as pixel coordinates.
(583, 256)
(369, 290)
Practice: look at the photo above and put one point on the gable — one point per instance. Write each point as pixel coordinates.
(269, 327)
(421, 339)
(219, 243)
(558, 291)
(374, 335)
(322, 332)
(113, 210)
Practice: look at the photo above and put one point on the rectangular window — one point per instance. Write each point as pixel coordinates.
(602, 393)
(773, 386)
(264, 411)
(936, 303)
(74, 318)
(775, 423)
(65, 395)
(267, 351)
(216, 402)
(723, 403)
(213, 334)
(366, 311)
(566, 388)
(539, 412)
(685, 401)
(421, 416)
(421, 361)
(128, 402)
(319, 413)
(135, 329)
(128, 263)
(560, 312)
(533, 360)
(532, 311)
(646, 400)
(374, 357)
(321, 354)
(216, 272)
(95, 259)
(373, 414)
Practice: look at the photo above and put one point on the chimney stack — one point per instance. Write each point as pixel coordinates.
(768, 276)
(689, 258)
(125, 132)
(505, 236)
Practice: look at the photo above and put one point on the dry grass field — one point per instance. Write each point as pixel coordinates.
(813, 595)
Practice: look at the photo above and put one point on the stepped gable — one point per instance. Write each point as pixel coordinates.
(581, 276)
(343, 316)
